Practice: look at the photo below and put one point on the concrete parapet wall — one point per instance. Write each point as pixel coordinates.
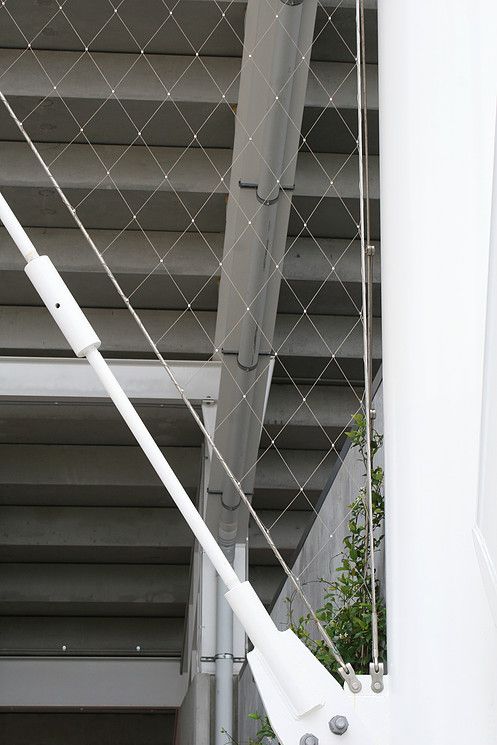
(310, 565)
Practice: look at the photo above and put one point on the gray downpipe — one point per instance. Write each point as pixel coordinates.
(270, 182)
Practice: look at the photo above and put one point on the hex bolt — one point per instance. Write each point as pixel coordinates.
(339, 724)
(309, 740)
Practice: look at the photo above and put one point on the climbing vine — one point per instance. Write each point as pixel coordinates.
(347, 610)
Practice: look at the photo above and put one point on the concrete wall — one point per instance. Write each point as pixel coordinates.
(340, 491)
(196, 714)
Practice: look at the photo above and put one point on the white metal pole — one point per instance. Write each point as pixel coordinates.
(163, 469)
(16, 231)
(438, 85)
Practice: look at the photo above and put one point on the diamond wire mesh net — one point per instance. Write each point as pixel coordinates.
(134, 110)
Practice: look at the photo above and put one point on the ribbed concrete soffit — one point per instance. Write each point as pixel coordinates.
(211, 150)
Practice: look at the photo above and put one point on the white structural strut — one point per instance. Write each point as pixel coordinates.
(485, 530)
(300, 695)
(16, 231)
(438, 88)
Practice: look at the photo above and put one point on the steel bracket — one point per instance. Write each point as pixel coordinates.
(376, 672)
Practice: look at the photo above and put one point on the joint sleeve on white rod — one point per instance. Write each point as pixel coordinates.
(16, 231)
(61, 304)
(276, 647)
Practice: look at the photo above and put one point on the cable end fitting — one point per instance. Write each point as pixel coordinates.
(376, 670)
(349, 676)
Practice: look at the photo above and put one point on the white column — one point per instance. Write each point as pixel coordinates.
(438, 84)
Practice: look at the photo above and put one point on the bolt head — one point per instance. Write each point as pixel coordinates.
(309, 740)
(339, 724)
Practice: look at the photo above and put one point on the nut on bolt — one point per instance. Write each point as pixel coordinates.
(339, 724)
(309, 740)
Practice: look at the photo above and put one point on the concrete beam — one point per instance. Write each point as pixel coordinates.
(32, 330)
(133, 78)
(211, 34)
(93, 589)
(94, 534)
(29, 589)
(129, 252)
(186, 255)
(120, 535)
(190, 272)
(47, 635)
(91, 683)
(57, 422)
(193, 174)
(80, 167)
(120, 476)
(331, 407)
(90, 475)
(315, 423)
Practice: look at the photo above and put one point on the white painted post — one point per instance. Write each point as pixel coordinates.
(485, 530)
(438, 84)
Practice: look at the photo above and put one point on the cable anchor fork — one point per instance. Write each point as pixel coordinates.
(348, 674)
(376, 670)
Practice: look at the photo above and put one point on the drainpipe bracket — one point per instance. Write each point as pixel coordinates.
(253, 185)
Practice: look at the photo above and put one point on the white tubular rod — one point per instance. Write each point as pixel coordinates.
(16, 231)
(163, 469)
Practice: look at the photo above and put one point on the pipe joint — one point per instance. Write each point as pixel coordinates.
(230, 507)
(266, 201)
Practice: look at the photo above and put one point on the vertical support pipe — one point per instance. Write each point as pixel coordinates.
(437, 74)
(271, 176)
(224, 667)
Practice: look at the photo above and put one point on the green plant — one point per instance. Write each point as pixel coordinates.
(347, 610)
(265, 730)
